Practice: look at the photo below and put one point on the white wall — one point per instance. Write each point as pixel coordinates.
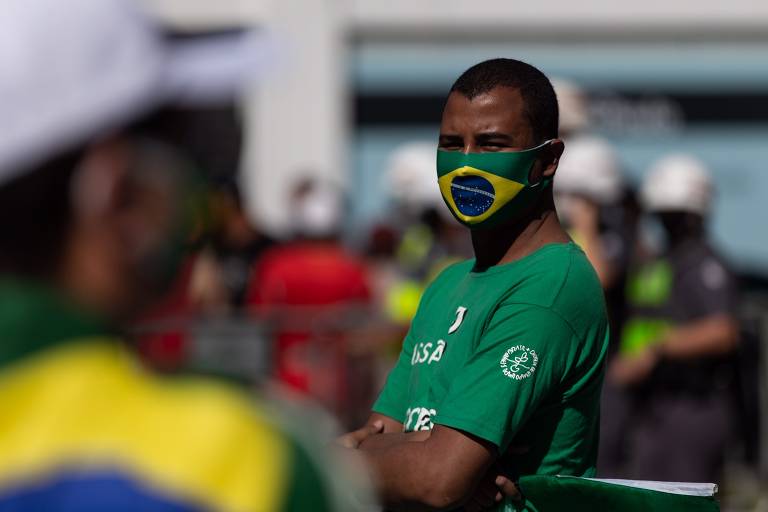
(208, 14)
(607, 14)
(297, 120)
(299, 117)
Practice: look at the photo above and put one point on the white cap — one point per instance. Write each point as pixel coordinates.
(73, 69)
(572, 103)
(411, 175)
(590, 167)
(678, 182)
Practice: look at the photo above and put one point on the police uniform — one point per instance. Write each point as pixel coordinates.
(681, 414)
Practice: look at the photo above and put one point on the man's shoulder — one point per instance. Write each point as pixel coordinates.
(174, 432)
(207, 424)
(563, 282)
(455, 270)
(557, 272)
(699, 259)
(448, 276)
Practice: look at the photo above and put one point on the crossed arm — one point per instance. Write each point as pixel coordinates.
(440, 469)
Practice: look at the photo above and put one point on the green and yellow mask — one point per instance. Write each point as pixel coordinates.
(487, 189)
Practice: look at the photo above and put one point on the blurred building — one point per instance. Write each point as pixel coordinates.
(660, 77)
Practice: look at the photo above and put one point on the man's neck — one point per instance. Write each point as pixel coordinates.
(506, 244)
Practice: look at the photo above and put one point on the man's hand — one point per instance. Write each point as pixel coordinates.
(492, 490)
(353, 439)
(631, 370)
(508, 488)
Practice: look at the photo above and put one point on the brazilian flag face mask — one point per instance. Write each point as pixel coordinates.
(487, 189)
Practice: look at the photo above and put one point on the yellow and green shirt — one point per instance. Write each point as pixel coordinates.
(84, 428)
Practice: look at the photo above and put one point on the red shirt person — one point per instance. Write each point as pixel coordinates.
(310, 288)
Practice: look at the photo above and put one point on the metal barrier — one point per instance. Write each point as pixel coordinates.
(332, 354)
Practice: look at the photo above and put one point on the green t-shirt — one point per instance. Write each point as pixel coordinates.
(514, 355)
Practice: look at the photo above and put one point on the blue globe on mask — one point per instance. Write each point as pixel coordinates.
(473, 195)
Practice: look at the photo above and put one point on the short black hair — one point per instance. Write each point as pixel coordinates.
(540, 101)
(35, 217)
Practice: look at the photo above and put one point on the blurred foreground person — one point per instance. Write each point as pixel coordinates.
(94, 214)
(681, 330)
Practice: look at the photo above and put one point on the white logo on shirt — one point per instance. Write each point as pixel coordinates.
(418, 418)
(428, 352)
(459, 318)
(519, 362)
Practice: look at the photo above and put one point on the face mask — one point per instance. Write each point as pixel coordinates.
(487, 189)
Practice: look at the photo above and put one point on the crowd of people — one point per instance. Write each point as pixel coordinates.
(335, 312)
(108, 232)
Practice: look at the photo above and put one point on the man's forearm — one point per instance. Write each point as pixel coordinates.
(386, 440)
(402, 475)
(716, 335)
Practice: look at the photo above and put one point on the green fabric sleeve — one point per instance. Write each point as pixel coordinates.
(520, 364)
(307, 489)
(392, 401)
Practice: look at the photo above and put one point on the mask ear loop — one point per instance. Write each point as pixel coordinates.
(538, 148)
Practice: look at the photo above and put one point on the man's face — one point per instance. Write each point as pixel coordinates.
(491, 122)
(131, 223)
(680, 225)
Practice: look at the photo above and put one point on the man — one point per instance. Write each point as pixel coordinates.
(503, 363)
(681, 330)
(93, 219)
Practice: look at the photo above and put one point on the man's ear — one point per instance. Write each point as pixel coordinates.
(551, 157)
(97, 182)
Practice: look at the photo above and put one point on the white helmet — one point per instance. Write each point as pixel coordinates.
(412, 177)
(590, 167)
(319, 211)
(678, 182)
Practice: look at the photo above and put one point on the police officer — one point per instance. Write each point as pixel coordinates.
(681, 328)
